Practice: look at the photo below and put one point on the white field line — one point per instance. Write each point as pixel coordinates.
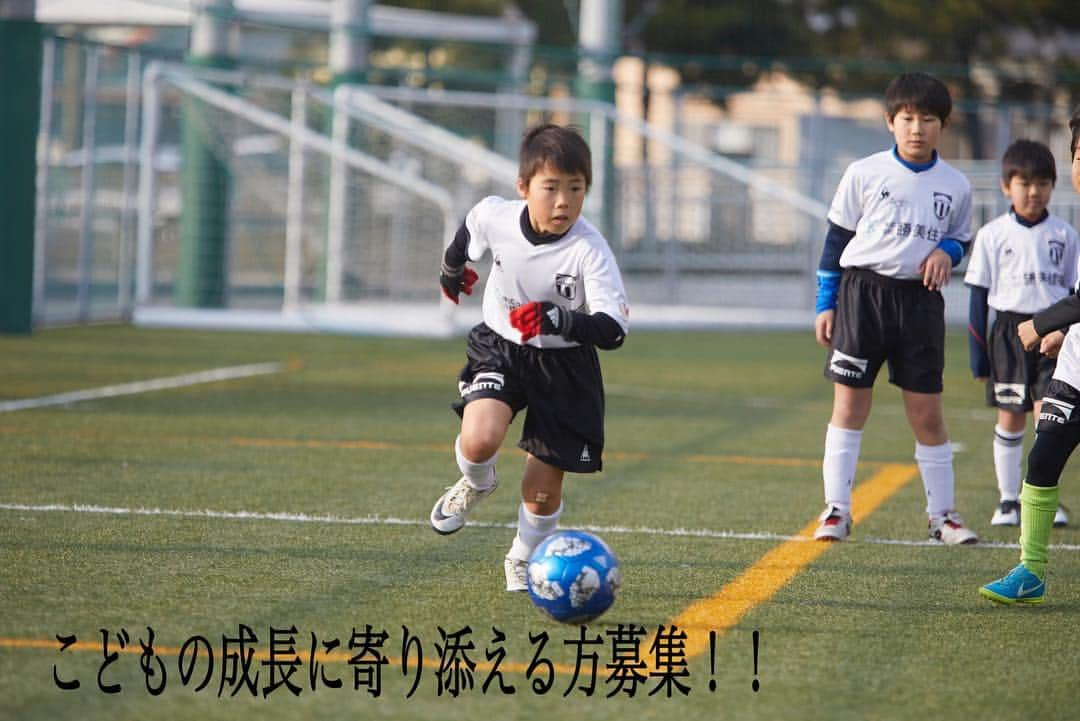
(154, 384)
(376, 520)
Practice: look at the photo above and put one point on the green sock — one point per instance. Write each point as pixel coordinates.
(1037, 508)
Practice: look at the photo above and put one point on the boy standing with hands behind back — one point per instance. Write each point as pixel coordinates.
(899, 222)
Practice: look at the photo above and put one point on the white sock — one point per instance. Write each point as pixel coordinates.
(935, 465)
(838, 466)
(480, 475)
(1008, 455)
(532, 530)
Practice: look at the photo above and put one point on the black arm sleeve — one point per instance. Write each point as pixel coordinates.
(457, 253)
(598, 329)
(835, 241)
(1058, 316)
(978, 312)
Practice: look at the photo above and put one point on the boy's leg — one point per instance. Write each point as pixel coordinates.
(1061, 515)
(1008, 457)
(1057, 437)
(484, 423)
(843, 437)
(538, 518)
(933, 453)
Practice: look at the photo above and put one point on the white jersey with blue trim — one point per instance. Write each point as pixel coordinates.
(1025, 267)
(576, 271)
(899, 214)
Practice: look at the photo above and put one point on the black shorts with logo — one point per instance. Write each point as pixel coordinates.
(1059, 408)
(1017, 377)
(881, 319)
(561, 387)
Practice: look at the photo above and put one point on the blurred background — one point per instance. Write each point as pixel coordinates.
(300, 164)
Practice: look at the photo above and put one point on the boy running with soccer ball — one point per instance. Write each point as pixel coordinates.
(899, 222)
(553, 297)
(1021, 263)
(1057, 435)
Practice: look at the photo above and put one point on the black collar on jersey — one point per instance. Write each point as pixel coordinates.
(537, 238)
(1024, 221)
(915, 167)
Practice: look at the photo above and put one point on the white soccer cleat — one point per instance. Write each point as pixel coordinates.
(516, 574)
(448, 514)
(1061, 516)
(950, 530)
(835, 525)
(1006, 514)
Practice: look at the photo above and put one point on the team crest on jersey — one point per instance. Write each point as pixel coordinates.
(566, 285)
(1057, 251)
(942, 205)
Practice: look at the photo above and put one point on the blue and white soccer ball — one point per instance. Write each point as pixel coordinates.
(573, 576)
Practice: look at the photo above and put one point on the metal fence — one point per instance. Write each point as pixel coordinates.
(346, 198)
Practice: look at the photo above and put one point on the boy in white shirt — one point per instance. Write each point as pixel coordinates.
(1021, 263)
(899, 222)
(554, 296)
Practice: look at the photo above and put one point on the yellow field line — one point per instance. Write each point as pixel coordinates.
(775, 569)
(718, 613)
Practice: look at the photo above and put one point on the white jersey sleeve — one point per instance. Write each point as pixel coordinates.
(979, 271)
(847, 204)
(476, 222)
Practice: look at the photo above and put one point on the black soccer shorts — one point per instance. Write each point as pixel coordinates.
(880, 319)
(561, 388)
(1017, 377)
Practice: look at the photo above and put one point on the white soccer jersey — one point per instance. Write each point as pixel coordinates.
(899, 216)
(577, 272)
(1025, 268)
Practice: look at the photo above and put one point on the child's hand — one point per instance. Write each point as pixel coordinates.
(1051, 344)
(540, 318)
(823, 327)
(936, 269)
(455, 281)
(1028, 337)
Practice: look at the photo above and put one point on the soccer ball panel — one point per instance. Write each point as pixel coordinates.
(573, 577)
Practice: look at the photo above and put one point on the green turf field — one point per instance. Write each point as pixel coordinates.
(294, 503)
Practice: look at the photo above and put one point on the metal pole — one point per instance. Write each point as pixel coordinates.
(144, 255)
(205, 185)
(294, 222)
(89, 168)
(48, 68)
(20, 88)
(127, 213)
(348, 64)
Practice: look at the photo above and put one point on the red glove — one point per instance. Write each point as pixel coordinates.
(455, 281)
(540, 318)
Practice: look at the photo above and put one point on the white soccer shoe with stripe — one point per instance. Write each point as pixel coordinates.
(448, 514)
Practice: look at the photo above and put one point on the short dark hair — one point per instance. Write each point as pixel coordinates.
(918, 91)
(1028, 159)
(1074, 126)
(561, 147)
